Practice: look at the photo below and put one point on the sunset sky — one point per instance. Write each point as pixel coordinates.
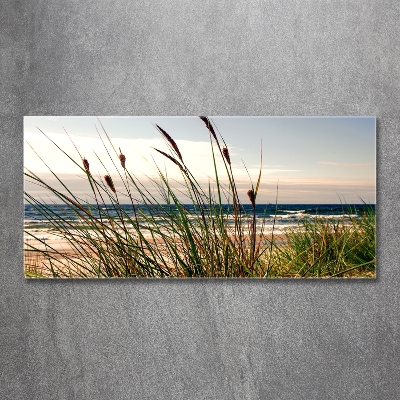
(315, 159)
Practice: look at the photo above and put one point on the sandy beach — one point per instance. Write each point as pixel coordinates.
(63, 255)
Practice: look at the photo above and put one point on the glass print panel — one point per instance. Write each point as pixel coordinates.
(209, 197)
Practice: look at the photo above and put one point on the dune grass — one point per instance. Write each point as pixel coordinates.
(320, 247)
(209, 234)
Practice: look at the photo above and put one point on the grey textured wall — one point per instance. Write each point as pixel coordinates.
(201, 339)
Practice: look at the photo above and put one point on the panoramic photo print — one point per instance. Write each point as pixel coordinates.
(209, 197)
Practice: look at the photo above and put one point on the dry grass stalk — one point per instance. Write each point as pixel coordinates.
(209, 126)
(171, 142)
(170, 158)
(122, 158)
(109, 182)
(250, 193)
(225, 152)
(86, 165)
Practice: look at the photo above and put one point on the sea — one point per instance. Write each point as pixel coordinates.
(272, 217)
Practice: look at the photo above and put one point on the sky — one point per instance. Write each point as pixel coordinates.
(313, 160)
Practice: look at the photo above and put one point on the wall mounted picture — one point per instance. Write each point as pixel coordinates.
(199, 197)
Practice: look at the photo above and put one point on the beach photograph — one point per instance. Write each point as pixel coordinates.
(199, 197)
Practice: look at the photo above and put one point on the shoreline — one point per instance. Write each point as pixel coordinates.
(61, 253)
(70, 263)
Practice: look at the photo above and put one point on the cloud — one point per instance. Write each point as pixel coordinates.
(140, 155)
(141, 159)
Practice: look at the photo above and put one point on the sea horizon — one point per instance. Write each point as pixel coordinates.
(269, 215)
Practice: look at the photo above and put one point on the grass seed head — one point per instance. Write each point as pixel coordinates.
(250, 193)
(86, 165)
(109, 182)
(171, 142)
(225, 152)
(170, 158)
(209, 126)
(122, 158)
